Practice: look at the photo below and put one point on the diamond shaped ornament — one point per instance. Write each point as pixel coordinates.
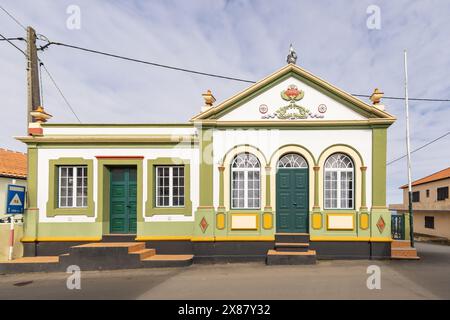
(381, 224)
(204, 225)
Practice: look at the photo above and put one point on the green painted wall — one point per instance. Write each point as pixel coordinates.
(206, 167)
(70, 229)
(165, 228)
(379, 147)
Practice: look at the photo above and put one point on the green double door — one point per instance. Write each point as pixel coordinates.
(123, 189)
(292, 201)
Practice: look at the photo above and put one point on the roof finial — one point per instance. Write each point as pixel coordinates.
(209, 100)
(292, 56)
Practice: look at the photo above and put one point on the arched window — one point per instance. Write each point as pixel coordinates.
(245, 182)
(339, 182)
(292, 160)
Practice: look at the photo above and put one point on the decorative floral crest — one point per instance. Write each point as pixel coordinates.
(292, 93)
(292, 111)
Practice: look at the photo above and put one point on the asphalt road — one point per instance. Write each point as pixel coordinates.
(428, 278)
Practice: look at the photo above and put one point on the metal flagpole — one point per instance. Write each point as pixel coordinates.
(408, 151)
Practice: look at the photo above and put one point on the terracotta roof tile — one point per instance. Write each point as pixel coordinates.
(443, 174)
(13, 164)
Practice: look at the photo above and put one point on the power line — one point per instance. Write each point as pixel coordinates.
(187, 70)
(13, 39)
(205, 73)
(10, 42)
(59, 90)
(147, 62)
(41, 64)
(410, 99)
(13, 18)
(420, 148)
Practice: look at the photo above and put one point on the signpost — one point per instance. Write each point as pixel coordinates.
(15, 204)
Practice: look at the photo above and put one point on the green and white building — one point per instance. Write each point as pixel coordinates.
(291, 154)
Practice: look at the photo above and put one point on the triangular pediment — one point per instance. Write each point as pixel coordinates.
(292, 94)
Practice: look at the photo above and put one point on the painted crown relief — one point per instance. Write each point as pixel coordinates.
(292, 111)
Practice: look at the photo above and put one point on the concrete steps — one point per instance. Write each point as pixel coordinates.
(291, 249)
(31, 264)
(291, 258)
(401, 250)
(145, 253)
(99, 256)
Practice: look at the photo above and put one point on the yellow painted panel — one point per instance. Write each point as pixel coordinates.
(66, 239)
(317, 221)
(246, 238)
(267, 221)
(202, 239)
(349, 238)
(165, 238)
(364, 221)
(220, 221)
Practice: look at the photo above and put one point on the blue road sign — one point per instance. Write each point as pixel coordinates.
(15, 200)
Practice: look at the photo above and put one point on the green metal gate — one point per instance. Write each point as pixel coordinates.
(398, 227)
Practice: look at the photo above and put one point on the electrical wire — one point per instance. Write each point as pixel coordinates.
(13, 39)
(205, 73)
(10, 42)
(419, 148)
(60, 91)
(194, 72)
(13, 18)
(146, 62)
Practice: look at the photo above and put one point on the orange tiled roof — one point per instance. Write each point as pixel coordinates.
(443, 174)
(13, 164)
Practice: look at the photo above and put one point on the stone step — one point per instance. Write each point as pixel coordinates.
(98, 256)
(31, 264)
(107, 255)
(290, 258)
(167, 260)
(106, 248)
(291, 246)
(404, 252)
(401, 244)
(144, 253)
(292, 237)
(404, 258)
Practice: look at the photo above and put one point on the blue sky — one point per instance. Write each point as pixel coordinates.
(245, 39)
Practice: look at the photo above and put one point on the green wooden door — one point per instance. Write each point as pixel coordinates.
(123, 200)
(292, 200)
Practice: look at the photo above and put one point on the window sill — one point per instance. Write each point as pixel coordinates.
(70, 212)
(339, 210)
(185, 211)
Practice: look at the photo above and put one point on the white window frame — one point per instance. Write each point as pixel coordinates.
(246, 171)
(171, 205)
(74, 186)
(339, 172)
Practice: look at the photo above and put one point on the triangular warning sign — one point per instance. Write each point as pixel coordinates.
(15, 201)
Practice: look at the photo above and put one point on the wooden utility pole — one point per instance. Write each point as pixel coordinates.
(34, 96)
